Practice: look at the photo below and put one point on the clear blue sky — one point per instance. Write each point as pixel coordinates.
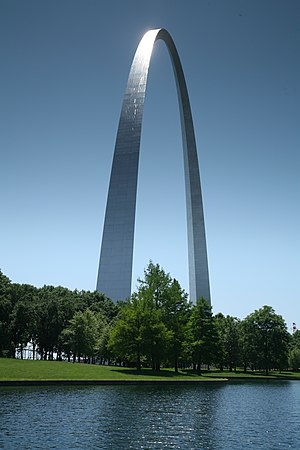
(64, 66)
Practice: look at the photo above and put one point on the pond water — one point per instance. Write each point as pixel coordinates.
(234, 415)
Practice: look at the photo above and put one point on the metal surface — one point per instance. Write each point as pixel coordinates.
(115, 267)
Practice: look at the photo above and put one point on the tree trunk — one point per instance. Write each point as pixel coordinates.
(138, 364)
(13, 351)
(176, 366)
(153, 363)
(199, 366)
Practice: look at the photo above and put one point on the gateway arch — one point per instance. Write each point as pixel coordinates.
(115, 266)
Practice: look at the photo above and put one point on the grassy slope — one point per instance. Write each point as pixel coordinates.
(11, 369)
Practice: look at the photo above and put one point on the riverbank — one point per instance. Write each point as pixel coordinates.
(27, 372)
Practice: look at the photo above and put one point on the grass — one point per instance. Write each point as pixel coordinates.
(28, 370)
(21, 370)
(249, 375)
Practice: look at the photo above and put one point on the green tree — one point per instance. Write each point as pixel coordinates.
(175, 315)
(82, 335)
(5, 313)
(164, 303)
(155, 285)
(294, 351)
(229, 348)
(202, 335)
(267, 338)
(156, 337)
(23, 316)
(139, 333)
(21, 325)
(295, 340)
(55, 307)
(247, 344)
(104, 353)
(98, 302)
(126, 337)
(294, 359)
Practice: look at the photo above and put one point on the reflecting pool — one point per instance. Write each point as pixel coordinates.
(235, 415)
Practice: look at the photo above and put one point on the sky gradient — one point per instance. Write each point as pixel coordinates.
(64, 67)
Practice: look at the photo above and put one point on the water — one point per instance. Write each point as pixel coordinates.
(256, 415)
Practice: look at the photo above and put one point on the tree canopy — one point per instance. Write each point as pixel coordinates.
(157, 327)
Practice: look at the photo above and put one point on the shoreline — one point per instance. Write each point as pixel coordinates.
(4, 383)
(8, 383)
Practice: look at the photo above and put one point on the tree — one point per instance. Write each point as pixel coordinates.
(126, 338)
(23, 316)
(4, 284)
(229, 349)
(21, 325)
(5, 312)
(247, 344)
(267, 339)
(156, 337)
(294, 351)
(49, 324)
(175, 315)
(139, 333)
(104, 353)
(55, 307)
(294, 359)
(98, 302)
(202, 335)
(295, 340)
(82, 334)
(155, 285)
(169, 308)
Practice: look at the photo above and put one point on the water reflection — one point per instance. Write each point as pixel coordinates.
(207, 416)
(162, 417)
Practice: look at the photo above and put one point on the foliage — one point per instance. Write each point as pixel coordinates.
(294, 351)
(5, 311)
(294, 359)
(229, 341)
(156, 328)
(265, 340)
(125, 339)
(42, 316)
(202, 337)
(295, 340)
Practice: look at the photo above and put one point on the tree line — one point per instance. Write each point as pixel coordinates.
(157, 327)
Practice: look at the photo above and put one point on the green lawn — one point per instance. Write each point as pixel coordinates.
(253, 375)
(17, 370)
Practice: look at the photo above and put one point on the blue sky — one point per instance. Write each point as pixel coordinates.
(64, 66)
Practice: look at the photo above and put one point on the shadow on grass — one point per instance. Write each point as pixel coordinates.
(258, 374)
(162, 373)
(190, 374)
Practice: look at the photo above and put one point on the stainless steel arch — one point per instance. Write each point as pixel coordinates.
(115, 267)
